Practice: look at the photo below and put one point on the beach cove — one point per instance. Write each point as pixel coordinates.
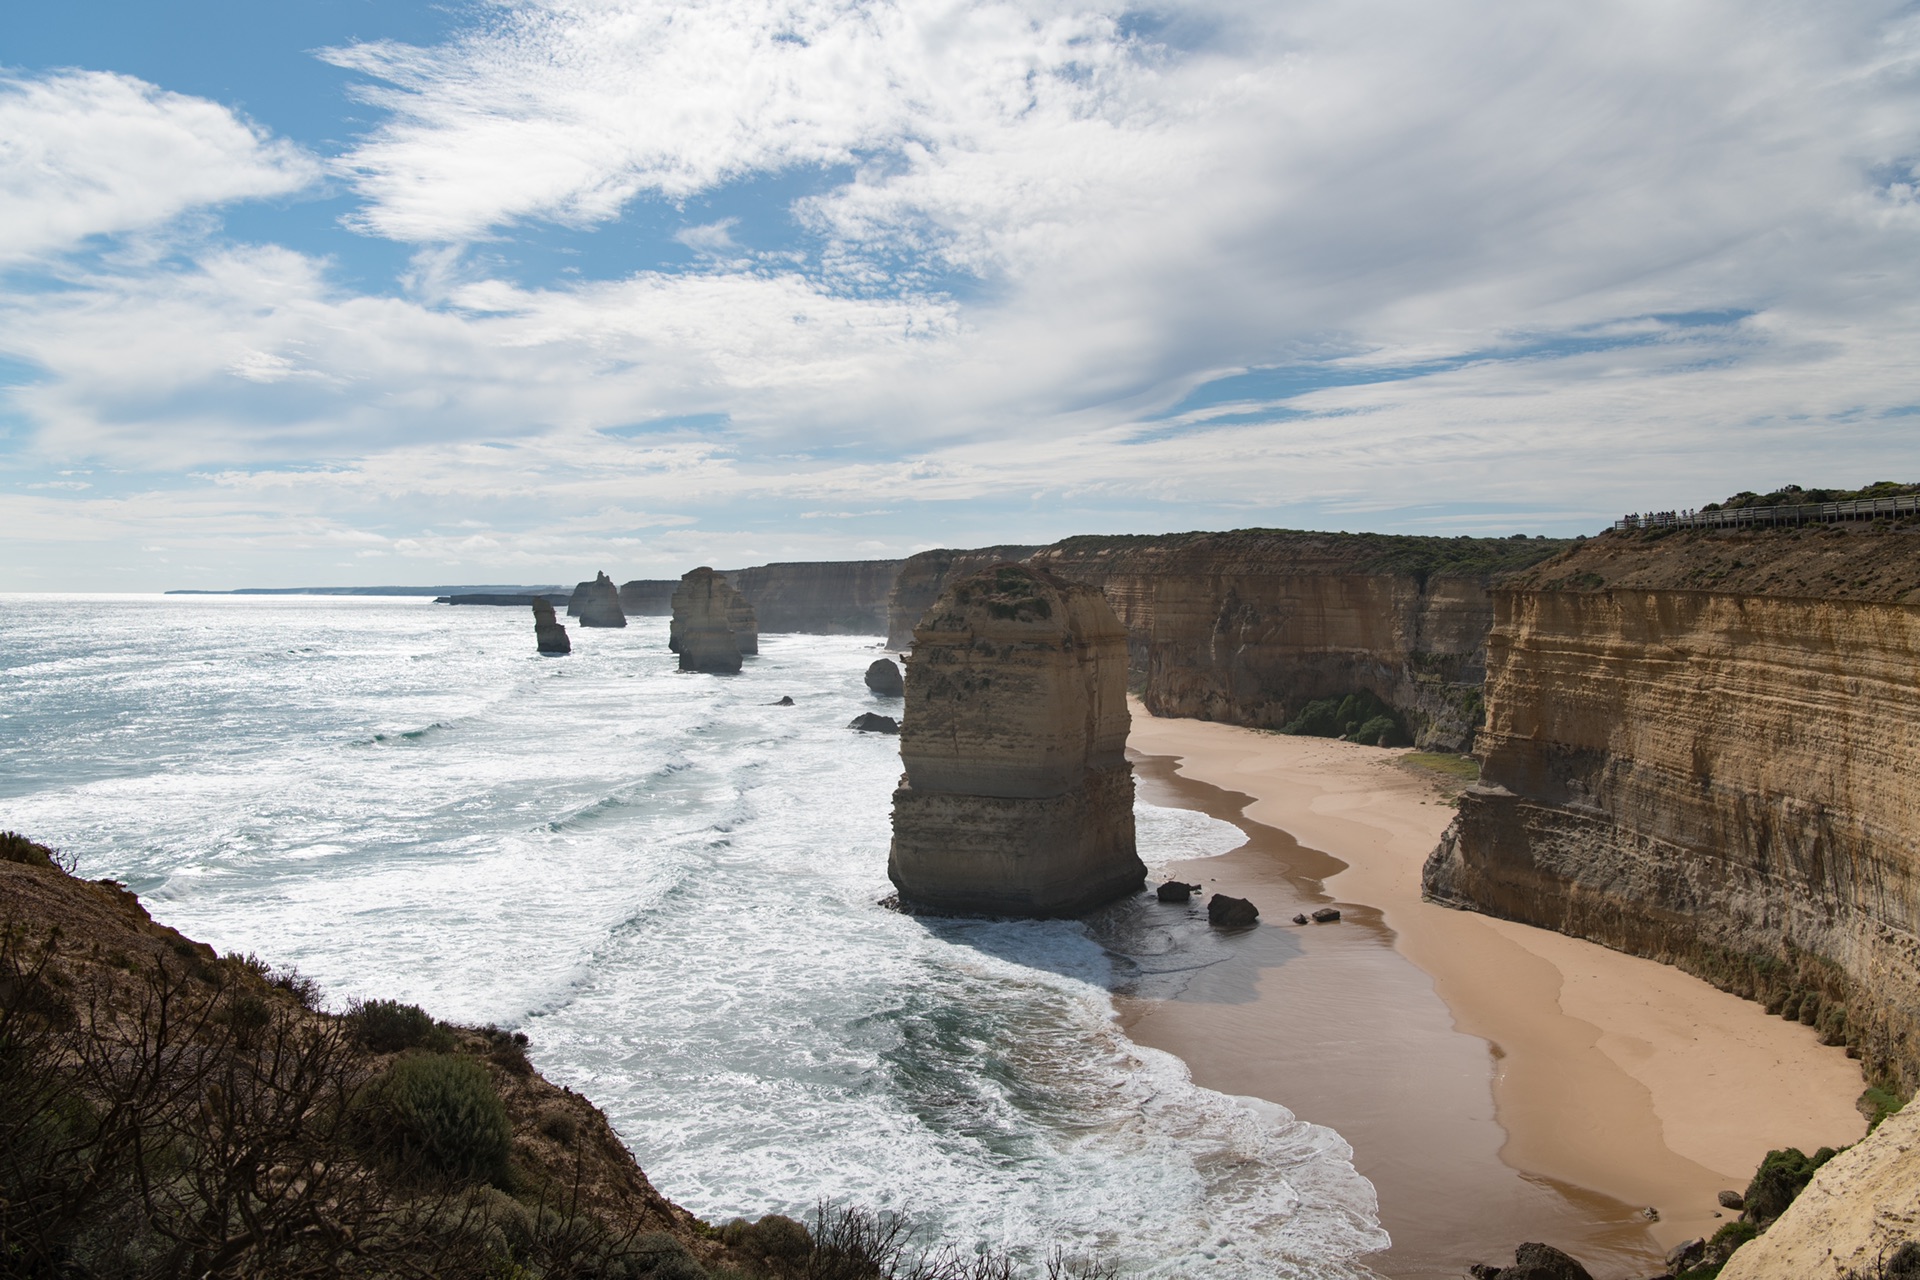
(1498, 1083)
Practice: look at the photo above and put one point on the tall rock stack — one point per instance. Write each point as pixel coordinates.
(701, 632)
(1017, 797)
(597, 603)
(548, 635)
(741, 617)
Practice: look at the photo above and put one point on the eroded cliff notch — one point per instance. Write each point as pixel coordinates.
(712, 625)
(1017, 798)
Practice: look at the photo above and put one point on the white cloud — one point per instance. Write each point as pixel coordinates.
(86, 153)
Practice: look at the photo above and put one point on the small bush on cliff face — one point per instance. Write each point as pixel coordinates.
(1783, 1175)
(1359, 717)
(439, 1112)
(387, 1026)
(15, 847)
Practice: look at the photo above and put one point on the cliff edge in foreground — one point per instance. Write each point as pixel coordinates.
(1700, 748)
(1017, 798)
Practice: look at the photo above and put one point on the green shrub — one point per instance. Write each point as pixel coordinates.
(1359, 717)
(15, 847)
(387, 1026)
(1783, 1175)
(1876, 1104)
(775, 1236)
(439, 1113)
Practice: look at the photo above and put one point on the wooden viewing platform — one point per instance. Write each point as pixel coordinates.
(1805, 513)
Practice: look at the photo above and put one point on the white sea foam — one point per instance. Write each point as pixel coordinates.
(672, 886)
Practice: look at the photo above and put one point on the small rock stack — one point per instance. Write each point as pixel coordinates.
(597, 603)
(548, 635)
(1017, 798)
(884, 678)
(703, 632)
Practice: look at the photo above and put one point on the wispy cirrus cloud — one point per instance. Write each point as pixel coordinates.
(90, 153)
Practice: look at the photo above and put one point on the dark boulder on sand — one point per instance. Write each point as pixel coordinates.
(868, 722)
(1326, 915)
(1231, 913)
(1533, 1262)
(884, 678)
(1176, 891)
(548, 635)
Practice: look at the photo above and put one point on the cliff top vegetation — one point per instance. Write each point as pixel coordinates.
(1418, 556)
(168, 1112)
(1849, 561)
(1791, 495)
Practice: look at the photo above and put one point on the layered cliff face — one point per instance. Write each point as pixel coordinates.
(702, 632)
(919, 580)
(1247, 627)
(1017, 797)
(648, 597)
(845, 597)
(1700, 748)
(597, 603)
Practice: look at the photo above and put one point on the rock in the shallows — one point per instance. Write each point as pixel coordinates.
(868, 722)
(883, 677)
(1732, 1200)
(1017, 797)
(704, 608)
(597, 603)
(1326, 915)
(786, 700)
(1230, 913)
(1176, 891)
(1300, 919)
(548, 635)
(1541, 1262)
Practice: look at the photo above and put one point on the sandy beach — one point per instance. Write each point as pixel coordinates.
(1498, 1083)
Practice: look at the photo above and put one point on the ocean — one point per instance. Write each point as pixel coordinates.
(672, 886)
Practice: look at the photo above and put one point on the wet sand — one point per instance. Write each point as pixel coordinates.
(1498, 1083)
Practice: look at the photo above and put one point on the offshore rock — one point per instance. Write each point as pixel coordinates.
(733, 609)
(701, 632)
(884, 678)
(1699, 748)
(548, 635)
(597, 603)
(868, 722)
(1231, 913)
(1017, 797)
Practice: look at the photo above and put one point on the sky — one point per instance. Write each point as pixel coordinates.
(336, 292)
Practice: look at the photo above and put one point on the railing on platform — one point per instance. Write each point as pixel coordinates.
(1807, 513)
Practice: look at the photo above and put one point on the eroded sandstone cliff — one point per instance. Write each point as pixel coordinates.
(648, 597)
(597, 603)
(919, 580)
(548, 635)
(702, 632)
(1248, 626)
(1700, 748)
(1017, 798)
(837, 597)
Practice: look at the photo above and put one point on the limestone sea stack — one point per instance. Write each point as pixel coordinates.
(597, 603)
(548, 635)
(700, 633)
(1017, 797)
(884, 678)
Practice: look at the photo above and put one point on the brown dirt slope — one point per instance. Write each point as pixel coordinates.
(1864, 562)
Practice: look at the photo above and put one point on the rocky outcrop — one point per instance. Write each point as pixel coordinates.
(884, 678)
(920, 579)
(597, 603)
(870, 722)
(1699, 748)
(702, 632)
(824, 597)
(1248, 627)
(648, 597)
(548, 635)
(1859, 1211)
(1017, 797)
(1231, 913)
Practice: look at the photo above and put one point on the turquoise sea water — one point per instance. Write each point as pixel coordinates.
(671, 885)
